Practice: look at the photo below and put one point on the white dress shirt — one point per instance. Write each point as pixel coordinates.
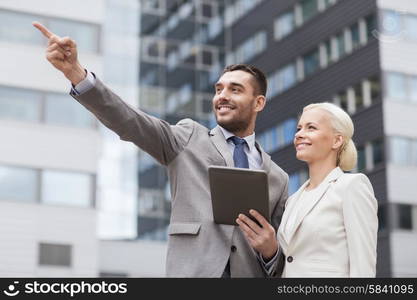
(254, 156)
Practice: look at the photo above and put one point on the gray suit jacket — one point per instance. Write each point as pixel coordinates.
(197, 247)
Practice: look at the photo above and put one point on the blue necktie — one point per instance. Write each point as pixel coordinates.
(239, 156)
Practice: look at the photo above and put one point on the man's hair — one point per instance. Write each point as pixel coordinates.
(259, 76)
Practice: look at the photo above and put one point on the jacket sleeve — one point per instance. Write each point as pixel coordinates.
(276, 269)
(361, 225)
(158, 138)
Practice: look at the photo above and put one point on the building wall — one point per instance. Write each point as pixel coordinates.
(44, 146)
(132, 258)
(398, 45)
(24, 226)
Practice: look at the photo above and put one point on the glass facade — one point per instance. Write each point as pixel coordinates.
(60, 109)
(14, 28)
(46, 107)
(179, 64)
(45, 186)
(18, 184)
(401, 87)
(20, 104)
(284, 25)
(67, 188)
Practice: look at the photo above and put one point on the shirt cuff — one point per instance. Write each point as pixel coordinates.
(268, 266)
(86, 84)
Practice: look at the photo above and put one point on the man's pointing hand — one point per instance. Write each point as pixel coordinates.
(62, 54)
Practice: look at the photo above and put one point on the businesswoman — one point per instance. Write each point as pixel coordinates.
(329, 226)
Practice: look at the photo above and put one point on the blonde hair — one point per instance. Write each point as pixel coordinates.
(347, 155)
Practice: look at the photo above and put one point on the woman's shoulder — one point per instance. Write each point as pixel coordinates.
(355, 180)
(354, 177)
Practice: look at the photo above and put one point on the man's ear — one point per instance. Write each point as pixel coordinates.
(338, 141)
(260, 102)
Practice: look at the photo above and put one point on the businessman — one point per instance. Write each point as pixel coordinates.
(197, 247)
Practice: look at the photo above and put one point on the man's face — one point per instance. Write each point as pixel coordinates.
(234, 102)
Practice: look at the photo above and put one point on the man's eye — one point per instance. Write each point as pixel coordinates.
(298, 129)
(311, 127)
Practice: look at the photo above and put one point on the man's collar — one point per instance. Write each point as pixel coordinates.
(250, 139)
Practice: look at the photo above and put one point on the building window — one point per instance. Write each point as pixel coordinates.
(354, 31)
(19, 104)
(309, 9)
(16, 28)
(400, 150)
(405, 216)
(414, 152)
(68, 188)
(371, 26)
(284, 25)
(279, 136)
(377, 152)
(55, 255)
(328, 52)
(206, 10)
(342, 99)
(403, 151)
(293, 183)
(359, 101)
(375, 89)
(110, 274)
(392, 20)
(61, 109)
(283, 79)
(361, 166)
(215, 26)
(86, 35)
(296, 180)
(154, 6)
(251, 47)
(311, 62)
(412, 91)
(290, 128)
(410, 24)
(238, 9)
(402, 87)
(18, 184)
(206, 57)
(288, 76)
(340, 45)
(396, 85)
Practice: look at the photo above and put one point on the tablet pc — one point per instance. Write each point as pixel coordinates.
(235, 191)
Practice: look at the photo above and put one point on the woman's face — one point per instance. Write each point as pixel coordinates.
(315, 139)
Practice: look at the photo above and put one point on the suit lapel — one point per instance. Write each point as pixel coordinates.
(220, 143)
(266, 159)
(289, 210)
(318, 195)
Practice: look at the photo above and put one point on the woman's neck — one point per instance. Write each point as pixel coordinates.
(318, 171)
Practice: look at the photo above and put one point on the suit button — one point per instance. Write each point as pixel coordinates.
(233, 248)
(290, 259)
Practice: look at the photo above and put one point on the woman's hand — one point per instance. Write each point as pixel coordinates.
(262, 238)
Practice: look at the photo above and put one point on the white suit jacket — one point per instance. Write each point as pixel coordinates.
(335, 234)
